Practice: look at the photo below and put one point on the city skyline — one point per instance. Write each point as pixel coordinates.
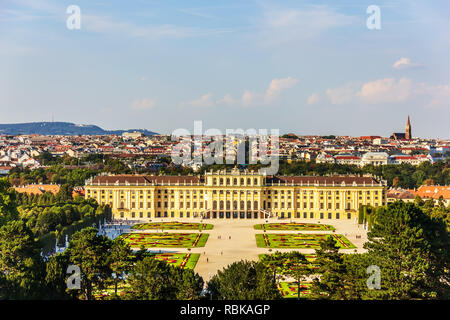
(309, 68)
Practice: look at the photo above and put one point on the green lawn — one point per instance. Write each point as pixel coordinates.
(299, 240)
(165, 239)
(173, 226)
(295, 226)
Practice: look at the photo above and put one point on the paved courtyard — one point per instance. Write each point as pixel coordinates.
(234, 240)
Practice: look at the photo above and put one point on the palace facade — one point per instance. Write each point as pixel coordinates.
(236, 194)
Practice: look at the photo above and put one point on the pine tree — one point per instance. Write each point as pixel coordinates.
(329, 284)
(413, 253)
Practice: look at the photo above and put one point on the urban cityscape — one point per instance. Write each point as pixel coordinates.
(320, 188)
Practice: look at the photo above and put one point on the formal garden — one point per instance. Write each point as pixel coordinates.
(165, 239)
(300, 241)
(181, 260)
(289, 290)
(173, 225)
(296, 226)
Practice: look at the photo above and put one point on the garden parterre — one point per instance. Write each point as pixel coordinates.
(165, 239)
(300, 241)
(290, 289)
(182, 260)
(173, 226)
(297, 226)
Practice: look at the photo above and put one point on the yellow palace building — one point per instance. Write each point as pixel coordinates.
(236, 194)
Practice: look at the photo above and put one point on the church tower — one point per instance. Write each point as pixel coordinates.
(408, 130)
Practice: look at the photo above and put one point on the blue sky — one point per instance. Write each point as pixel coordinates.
(308, 67)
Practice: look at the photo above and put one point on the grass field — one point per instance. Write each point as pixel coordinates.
(168, 240)
(295, 226)
(299, 241)
(173, 226)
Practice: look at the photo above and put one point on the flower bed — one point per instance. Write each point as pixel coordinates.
(173, 240)
(295, 226)
(173, 225)
(290, 289)
(182, 260)
(300, 241)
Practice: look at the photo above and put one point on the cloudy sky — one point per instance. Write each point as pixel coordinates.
(308, 67)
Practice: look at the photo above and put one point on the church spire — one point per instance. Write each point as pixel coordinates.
(408, 129)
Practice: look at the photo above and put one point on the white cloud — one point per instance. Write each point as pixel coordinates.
(313, 99)
(404, 63)
(390, 90)
(227, 99)
(386, 91)
(204, 101)
(143, 104)
(340, 95)
(249, 98)
(277, 86)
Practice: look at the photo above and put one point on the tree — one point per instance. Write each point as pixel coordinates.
(151, 279)
(274, 262)
(297, 267)
(413, 252)
(243, 280)
(21, 265)
(8, 206)
(90, 253)
(418, 201)
(355, 278)
(119, 260)
(189, 285)
(396, 182)
(65, 193)
(331, 269)
(56, 276)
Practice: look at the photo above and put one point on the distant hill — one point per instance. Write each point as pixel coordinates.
(61, 128)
